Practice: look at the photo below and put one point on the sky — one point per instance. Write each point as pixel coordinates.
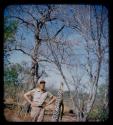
(54, 77)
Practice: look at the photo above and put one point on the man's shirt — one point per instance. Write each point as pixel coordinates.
(39, 96)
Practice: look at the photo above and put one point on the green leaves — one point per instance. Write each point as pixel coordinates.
(10, 28)
(11, 74)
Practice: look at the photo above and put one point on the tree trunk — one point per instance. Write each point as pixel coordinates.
(94, 91)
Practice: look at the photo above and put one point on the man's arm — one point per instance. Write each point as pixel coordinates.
(52, 99)
(27, 98)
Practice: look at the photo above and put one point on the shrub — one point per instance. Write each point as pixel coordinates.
(98, 114)
(103, 114)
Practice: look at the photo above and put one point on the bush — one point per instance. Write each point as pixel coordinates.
(93, 115)
(103, 114)
(98, 114)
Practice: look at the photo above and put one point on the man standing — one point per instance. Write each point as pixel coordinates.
(38, 104)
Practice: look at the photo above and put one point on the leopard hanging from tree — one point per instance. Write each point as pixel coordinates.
(59, 106)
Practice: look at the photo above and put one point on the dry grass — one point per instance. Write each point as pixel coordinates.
(12, 115)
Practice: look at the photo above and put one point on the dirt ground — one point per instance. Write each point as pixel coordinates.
(12, 116)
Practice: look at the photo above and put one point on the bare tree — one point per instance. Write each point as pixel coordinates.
(92, 27)
(35, 23)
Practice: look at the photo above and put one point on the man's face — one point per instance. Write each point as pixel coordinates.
(42, 86)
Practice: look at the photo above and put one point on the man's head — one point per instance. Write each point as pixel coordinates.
(42, 85)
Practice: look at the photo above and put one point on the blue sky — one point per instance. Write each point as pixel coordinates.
(54, 77)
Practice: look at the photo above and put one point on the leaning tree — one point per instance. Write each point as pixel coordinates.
(92, 28)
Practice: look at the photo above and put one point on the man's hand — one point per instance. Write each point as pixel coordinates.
(44, 104)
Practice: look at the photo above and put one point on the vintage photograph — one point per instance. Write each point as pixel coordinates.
(56, 63)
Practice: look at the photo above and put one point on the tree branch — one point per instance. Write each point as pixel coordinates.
(23, 21)
(21, 50)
